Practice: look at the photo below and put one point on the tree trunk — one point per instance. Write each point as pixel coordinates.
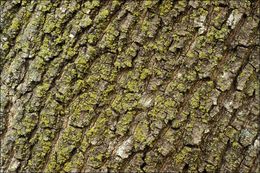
(130, 86)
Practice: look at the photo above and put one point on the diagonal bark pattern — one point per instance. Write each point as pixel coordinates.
(129, 86)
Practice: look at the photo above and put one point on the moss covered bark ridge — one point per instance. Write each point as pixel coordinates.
(129, 86)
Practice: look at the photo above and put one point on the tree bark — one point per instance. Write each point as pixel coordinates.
(130, 86)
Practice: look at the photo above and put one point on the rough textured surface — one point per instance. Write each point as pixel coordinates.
(130, 86)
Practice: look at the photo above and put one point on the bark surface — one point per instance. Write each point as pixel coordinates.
(129, 86)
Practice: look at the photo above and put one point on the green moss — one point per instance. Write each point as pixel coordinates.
(191, 76)
(141, 132)
(177, 123)
(115, 3)
(127, 102)
(95, 3)
(42, 89)
(85, 22)
(165, 7)
(180, 6)
(235, 145)
(52, 165)
(100, 157)
(45, 6)
(131, 51)
(16, 24)
(133, 86)
(69, 139)
(96, 157)
(145, 26)
(162, 107)
(63, 153)
(108, 40)
(91, 38)
(169, 103)
(162, 44)
(27, 125)
(38, 63)
(202, 55)
(102, 15)
(71, 52)
(181, 87)
(6, 46)
(40, 154)
(92, 80)
(108, 89)
(68, 167)
(190, 54)
(123, 63)
(230, 132)
(43, 146)
(45, 52)
(128, 62)
(50, 25)
(78, 86)
(47, 120)
(145, 73)
(221, 34)
(148, 4)
(170, 87)
(82, 64)
(98, 128)
(210, 168)
(195, 100)
(123, 124)
(91, 50)
(252, 85)
(182, 155)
